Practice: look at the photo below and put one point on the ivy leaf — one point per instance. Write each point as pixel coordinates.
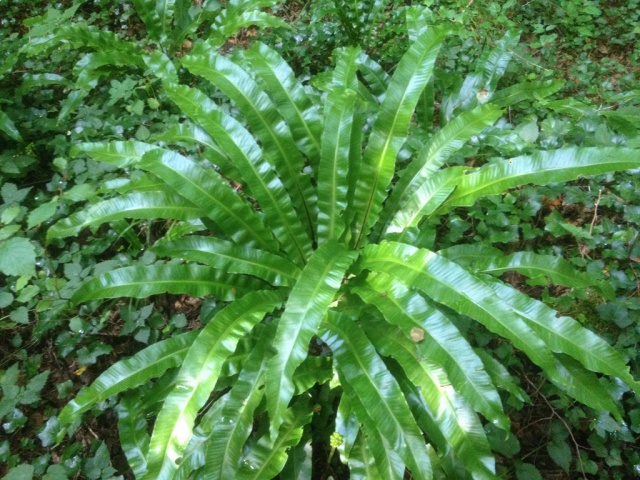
(21, 472)
(17, 257)
(7, 126)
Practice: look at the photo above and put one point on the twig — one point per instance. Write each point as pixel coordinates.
(595, 211)
(555, 413)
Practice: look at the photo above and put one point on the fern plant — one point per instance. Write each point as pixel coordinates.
(333, 292)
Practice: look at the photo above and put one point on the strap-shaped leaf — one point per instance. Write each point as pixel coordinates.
(132, 428)
(151, 362)
(435, 153)
(500, 376)
(347, 426)
(142, 281)
(334, 164)
(535, 266)
(299, 466)
(121, 153)
(193, 134)
(525, 91)
(198, 375)
(266, 457)
(443, 343)
(246, 157)
(453, 416)
(194, 456)
(207, 189)
(231, 258)
(344, 75)
(375, 76)
(295, 106)
(584, 386)
(425, 200)
(224, 448)
(311, 371)
(541, 168)
(311, 296)
(375, 454)
(362, 462)
(157, 16)
(242, 14)
(566, 335)
(449, 284)
(366, 380)
(138, 205)
(266, 123)
(161, 66)
(390, 130)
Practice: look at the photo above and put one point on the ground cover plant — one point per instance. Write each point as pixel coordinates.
(462, 127)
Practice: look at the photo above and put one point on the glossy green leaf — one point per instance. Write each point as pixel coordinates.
(122, 154)
(453, 416)
(210, 191)
(266, 123)
(390, 130)
(198, 375)
(151, 362)
(375, 76)
(194, 455)
(157, 16)
(362, 463)
(344, 75)
(435, 153)
(364, 450)
(299, 466)
(541, 168)
(161, 66)
(334, 164)
(348, 427)
(500, 376)
(237, 16)
(132, 428)
(266, 457)
(311, 296)
(228, 436)
(142, 281)
(537, 267)
(374, 394)
(138, 205)
(566, 335)
(584, 386)
(231, 258)
(244, 152)
(425, 200)
(525, 91)
(443, 343)
(448, 283)
(311, 371)
(295, 106)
